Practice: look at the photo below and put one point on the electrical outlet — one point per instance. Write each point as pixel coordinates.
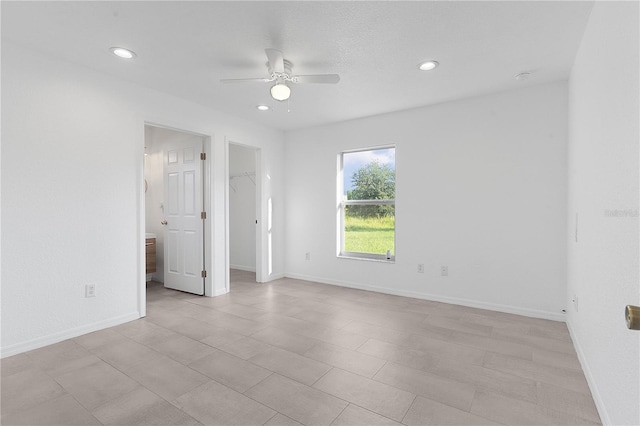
(421, 268)
(90, 290)
(307, 256)
(444, 270)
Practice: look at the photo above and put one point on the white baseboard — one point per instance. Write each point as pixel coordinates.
(533, 313)
(243, 268)
(64, 335)
(597, 398)
(274, 277)
(219, 292)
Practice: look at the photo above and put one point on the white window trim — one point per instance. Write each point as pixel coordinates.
(385, 202)
(343, 202)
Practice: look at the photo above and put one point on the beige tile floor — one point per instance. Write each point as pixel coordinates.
(294, 352)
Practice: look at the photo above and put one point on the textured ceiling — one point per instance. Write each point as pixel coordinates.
(185, 48)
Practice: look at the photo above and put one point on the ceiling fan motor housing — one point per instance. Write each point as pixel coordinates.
(286, 75)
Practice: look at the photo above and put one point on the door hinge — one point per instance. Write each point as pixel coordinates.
(203, 215)
(203, 155)
(204, 274)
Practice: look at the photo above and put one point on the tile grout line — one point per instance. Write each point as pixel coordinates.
(409, 409)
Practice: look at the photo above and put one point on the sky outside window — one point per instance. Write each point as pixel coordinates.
(353, 161)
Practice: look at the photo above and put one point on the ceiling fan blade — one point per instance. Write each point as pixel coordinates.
(276, 61)
(317, 78)
(245, 80)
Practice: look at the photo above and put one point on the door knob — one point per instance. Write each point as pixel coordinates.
(632, 315)
(164, 222)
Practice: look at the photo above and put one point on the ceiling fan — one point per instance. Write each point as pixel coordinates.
(280, 73)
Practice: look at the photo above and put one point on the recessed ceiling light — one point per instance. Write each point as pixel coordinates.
(522, 76)
(428, 65)
(123, 53)
(263, 107)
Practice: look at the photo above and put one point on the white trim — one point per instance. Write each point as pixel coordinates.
(533, 313)
(369, 148)
(207, 232)
(219, 292)
(261, 226)
(343, 203)
(277, 276)
(597, 398)
(141, 223)
(227, 229)
(385, 202)
(40, 342)
(367, 257)
(243, 268)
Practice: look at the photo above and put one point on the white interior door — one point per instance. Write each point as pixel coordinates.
(184, 227)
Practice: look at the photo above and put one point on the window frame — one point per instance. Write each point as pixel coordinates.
(343, 202)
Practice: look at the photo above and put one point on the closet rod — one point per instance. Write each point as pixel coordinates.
(244, 174)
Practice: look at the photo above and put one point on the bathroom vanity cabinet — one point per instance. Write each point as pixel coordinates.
(150, 245)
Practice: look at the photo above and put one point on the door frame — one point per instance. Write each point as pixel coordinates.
(207, 231)
(259, 213)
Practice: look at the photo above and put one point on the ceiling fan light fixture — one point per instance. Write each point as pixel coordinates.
(280, 92)
(428, 65)
(123, 53)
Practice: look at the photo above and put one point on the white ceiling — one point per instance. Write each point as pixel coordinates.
(185, 48)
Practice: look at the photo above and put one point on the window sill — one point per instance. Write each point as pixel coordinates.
(367, 259)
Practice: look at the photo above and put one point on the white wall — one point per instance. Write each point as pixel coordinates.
(72, 185)
(603, 190)
(242, 208)
(481, 188)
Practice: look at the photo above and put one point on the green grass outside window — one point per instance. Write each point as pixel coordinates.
(369, 235)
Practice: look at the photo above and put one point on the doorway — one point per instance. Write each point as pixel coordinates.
(175, 207)
(244, 211)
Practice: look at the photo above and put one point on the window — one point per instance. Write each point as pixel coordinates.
(367, 192)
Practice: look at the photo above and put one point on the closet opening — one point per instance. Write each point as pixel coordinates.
(245, 186)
